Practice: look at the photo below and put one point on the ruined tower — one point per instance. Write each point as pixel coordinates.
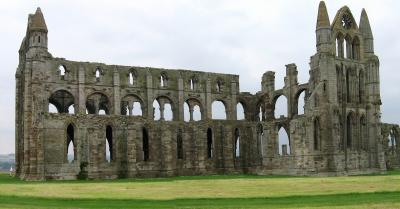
(93, 120)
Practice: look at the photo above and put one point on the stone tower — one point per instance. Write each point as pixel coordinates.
(93, 120)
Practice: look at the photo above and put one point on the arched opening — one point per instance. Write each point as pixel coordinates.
(109, 144)
(218, 86)
(186, 112)
(240, 111)
(363, 133)
(156, 110)
(300, 102)
(60, 102)
(52, 108)
(237, 143)
(196, 113)
(356, 48)
(349, 129)
(98, 103)
(192, 83)
(281, 106)
(209, 143)
(131, 78)
(317, 134)
(218, 110)
(392, 141)
(71, 109)
(284, 143)
(97, 74)
(168, 115)
(145, 145)
(261, 140)
(70, 155)
(163, 80)
(347, 47)
(137, 109)
(179, 145)
(62, 71)
(339, 45)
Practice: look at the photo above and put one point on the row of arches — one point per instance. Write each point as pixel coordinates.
(347, 47)
(109, 151)
(191, 84)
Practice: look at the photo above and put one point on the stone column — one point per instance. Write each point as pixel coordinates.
(180, 100)
(207, 105)
(117, 109)
(149, 88)
(81, 91)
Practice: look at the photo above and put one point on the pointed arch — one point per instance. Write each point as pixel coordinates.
(281, 106)
(71, 144)
(317, 134)
(300, 101)
(349, 131)
(355, 48)
(236, 143)
(209, 143)
(145, 144)
(240, 112)
(109, 154)
(97, 103)
(179, 144)
(218, 110)
(61, 100)
(283, 142)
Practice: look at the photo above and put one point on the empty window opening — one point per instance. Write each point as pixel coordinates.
(102, 112)
(186, 112)
(300, 103)
(317, 134)
(284, 143)
(218, 110)
(196, 113)
(109, 144)
(131, 78)
(237, 143)
(163, 80)
(70, 144)
(137, 109)
(179, 145)
(349, 127)
(62, 70)
(39, 39)
(71, 109)
(218, 86)
(191, 84)
(240, 111)
(209, 143)
(260, 114)
(145, 145)
(168, 116)
(261, 141)
(52, 108)
(392, 140)
(98, 74)
(281, 107)
(156, 110)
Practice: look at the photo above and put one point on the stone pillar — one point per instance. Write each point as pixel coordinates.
(284, 150)
(149, 88)
(161, 109)
(81, 91)
(232, 110)
(180, 100)
(191, 112)
(207, 105)
(116, 84)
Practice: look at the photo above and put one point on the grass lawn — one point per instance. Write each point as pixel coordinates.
(231, 191)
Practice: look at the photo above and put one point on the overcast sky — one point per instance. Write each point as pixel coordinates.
(240, 37)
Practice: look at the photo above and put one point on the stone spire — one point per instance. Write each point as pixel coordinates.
(365, 29)
(323, 18)
(37, 21)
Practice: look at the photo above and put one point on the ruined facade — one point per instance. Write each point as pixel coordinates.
(112, 109)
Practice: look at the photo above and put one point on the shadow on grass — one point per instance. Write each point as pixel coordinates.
(336, 200)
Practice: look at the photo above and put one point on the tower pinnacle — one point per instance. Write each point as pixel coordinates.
(323, 18)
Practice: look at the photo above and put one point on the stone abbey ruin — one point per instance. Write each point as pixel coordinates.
(112, 109)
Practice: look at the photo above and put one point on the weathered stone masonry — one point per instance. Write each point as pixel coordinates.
(339, 133)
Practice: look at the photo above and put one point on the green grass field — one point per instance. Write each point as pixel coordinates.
(232, 191)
